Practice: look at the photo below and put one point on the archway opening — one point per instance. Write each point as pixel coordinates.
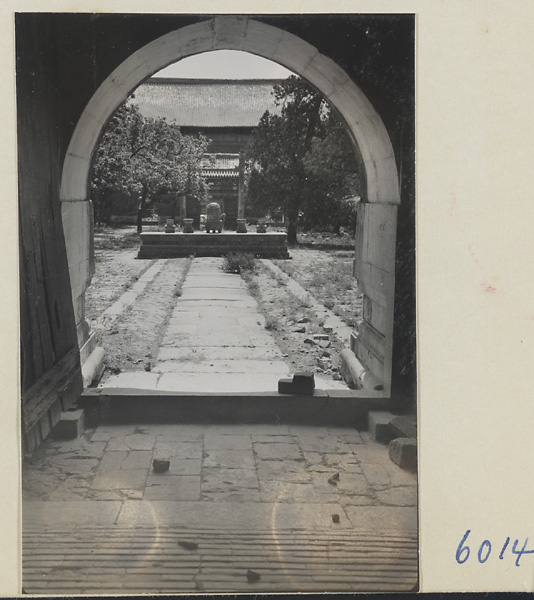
(243, 113)
(374, 264)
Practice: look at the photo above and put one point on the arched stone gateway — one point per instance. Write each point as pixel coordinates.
(375, 246)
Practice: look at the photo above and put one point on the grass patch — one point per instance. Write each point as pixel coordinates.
(240, 262)
(328, 276)
(107, 238)
(271, 324)
(177, 291)
(252, 284)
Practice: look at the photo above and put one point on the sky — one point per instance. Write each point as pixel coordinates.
(225, 64)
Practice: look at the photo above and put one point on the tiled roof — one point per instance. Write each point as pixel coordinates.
(206, 103)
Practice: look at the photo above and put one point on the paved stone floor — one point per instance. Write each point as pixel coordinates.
(243, 508)
(215, 341)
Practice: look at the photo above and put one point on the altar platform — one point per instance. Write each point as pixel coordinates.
(176, 245)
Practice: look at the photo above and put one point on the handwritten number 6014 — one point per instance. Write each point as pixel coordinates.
(463, 551)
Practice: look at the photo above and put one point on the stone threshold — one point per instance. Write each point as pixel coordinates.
(325, 407)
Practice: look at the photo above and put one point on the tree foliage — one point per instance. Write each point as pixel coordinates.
(143, 157)
(303, 161)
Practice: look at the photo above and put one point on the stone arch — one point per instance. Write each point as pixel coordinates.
(375, 251)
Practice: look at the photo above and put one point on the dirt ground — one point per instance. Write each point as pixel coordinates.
(132, 340)
(293, 324)
(327, 275)
(116, 268)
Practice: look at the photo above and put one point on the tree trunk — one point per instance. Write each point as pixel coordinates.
(292, 217)
(140, 209)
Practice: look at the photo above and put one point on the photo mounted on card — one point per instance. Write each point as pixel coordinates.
(217, 275)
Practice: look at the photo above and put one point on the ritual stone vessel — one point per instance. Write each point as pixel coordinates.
(169, 226)
(214, 218)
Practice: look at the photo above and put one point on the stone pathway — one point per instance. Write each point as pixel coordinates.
(304, 508)
(215, 342)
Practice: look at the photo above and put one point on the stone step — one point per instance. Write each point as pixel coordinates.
(400, 432)
(173, 402)
(378, 424)
(222, 366)
(403, 452)
(70, 425)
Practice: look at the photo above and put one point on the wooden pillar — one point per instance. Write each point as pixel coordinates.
(183, 207)
(241, 188)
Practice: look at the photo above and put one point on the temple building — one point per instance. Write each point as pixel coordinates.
(226, 112)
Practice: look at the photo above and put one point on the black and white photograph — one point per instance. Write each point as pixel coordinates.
(217, 303)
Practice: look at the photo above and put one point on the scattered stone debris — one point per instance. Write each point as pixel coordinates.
(148, 366)
(188, 545)
(303, 320)
(252, 576)
(334, 479)
(299, 329)
(324, 363)
(303, 382)
(160, 466)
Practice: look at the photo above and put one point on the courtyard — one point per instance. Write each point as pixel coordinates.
(269, 504)
(242, 508)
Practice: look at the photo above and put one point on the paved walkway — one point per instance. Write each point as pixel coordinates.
(215, 341)
(243, 508)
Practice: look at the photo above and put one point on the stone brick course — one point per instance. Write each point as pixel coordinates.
(229, 489)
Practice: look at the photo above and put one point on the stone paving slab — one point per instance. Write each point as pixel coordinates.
(68, 514)
(238, 304)
(277, 368)
(248, 516)
(226, 294)
(269, 352)
(249, 496)
(218, 383)
(215, 310)
(134, 379)
(383, 519)
(179, 466)
(225, 280)
(133, 479)
(177, 337)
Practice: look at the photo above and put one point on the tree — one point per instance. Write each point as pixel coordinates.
(333, 172)
(302, 158)
(143, 157)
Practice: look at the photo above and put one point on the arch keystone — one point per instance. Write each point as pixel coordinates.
(230, 33)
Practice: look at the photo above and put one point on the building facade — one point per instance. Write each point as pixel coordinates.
(224, 111)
